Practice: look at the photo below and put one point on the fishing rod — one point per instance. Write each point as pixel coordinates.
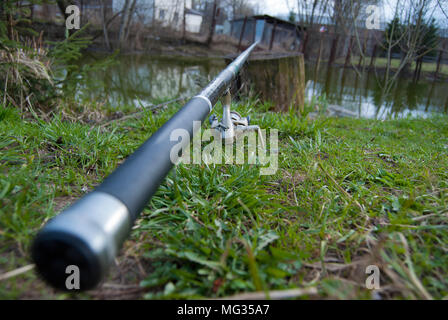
(89, 234)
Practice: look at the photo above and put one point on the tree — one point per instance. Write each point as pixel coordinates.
(393, 33)
(292, 16)
(426, 41)
(104, 24)
(408, 35)
(426, 46)
(429, 40)
(239, 8)
(26, 77)
(212, 24)
(309, 13)
(126, 17)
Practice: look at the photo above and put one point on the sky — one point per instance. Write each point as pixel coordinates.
(282, 7)
(276, 7)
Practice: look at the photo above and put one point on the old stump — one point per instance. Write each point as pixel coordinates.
(276, 79)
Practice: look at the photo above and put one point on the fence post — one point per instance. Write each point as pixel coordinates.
(439, 59)
(242, 33)
(305, 42)
(373, 57)
(184, 22)
(333, 50)
(273, 35)
(349, 53)
(255, 31)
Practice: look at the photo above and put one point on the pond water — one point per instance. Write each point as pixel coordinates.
(362, 94)
(144, 79)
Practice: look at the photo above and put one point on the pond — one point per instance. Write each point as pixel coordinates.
(144, 79)
(362, 93)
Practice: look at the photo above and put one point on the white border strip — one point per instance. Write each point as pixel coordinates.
(207, 100)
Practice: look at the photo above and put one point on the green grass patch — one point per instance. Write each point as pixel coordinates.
(348, 193)
(381, 62)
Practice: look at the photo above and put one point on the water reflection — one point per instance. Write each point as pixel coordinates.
(152, 79)
(363, 94)
(136, 79)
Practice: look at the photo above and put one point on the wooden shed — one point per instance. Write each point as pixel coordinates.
(273, 32)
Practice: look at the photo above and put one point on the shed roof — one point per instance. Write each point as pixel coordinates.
(272, 19)
(194, 12)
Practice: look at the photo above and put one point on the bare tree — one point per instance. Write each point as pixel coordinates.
(310, 13)
(184, 21)
(129, 19)
(443, 6)
(212, 24)
(126, 18)
(239, 8)
(351, 17)
(412, 15)
(104, 24)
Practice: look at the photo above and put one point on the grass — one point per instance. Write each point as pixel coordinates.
(426, 66)
(348, 193)
(429, 67)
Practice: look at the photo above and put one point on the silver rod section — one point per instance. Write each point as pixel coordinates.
(89, 233)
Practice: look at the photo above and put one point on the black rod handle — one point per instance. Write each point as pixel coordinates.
(90, 232)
